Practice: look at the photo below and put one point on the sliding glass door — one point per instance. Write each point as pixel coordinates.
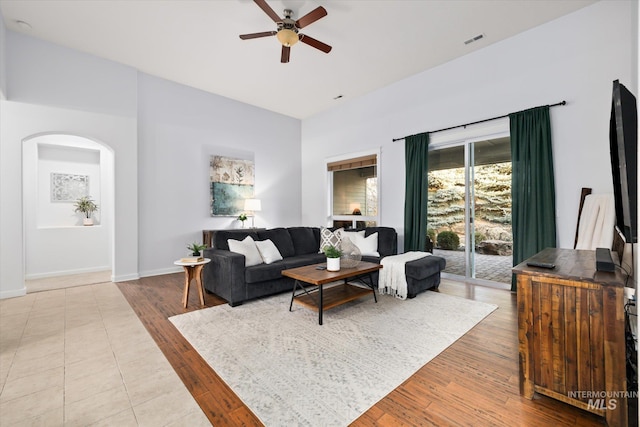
(469, 208)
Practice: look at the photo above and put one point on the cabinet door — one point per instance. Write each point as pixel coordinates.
(568, 337)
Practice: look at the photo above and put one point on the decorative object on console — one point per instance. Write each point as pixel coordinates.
(333, 258)
(87, 207)
(252, 205)
(351, 255)
(231, 181)
(242, 218)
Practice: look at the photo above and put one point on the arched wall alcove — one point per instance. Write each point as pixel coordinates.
(57, 169)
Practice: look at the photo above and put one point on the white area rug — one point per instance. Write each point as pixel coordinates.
(291, 371)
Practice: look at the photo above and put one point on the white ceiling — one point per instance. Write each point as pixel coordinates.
(196, 43)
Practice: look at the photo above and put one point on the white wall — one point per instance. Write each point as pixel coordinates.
(3, 61)
(161, 134)
(20, 122)
(62, 91)
(574, 58)
(56, 242)
(43, 73)
(179, 129)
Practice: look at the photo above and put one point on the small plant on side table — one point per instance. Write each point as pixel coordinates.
(196, 248)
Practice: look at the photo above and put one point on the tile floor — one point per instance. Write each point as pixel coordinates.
(81, 357)
(70, 281)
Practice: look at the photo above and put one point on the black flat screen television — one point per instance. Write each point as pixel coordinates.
(623, 144)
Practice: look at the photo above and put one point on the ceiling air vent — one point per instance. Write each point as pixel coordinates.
(474, 39)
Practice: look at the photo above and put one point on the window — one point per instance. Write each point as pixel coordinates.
(353, 189)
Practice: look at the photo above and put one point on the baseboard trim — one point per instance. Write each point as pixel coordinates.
(66, 273)
(125, 278)
(161, 272)
(13, 293)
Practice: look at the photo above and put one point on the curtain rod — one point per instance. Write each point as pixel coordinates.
(475, 123)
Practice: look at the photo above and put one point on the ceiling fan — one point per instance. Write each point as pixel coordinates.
(288, 30)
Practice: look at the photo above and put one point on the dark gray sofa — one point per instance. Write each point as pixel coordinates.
(227, 276)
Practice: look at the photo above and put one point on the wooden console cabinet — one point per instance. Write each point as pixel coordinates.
(571, 333)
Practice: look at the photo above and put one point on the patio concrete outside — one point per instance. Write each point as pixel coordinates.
(496, 268)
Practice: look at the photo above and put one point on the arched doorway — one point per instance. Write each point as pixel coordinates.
(59, 250)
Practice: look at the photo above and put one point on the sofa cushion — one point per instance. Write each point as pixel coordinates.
(268, 251)
(387, 239)
(368, 245)
(281, 238)
(246, 247)
(222, 236)
(305, 240)
(264, 272)
(302, 260)
(330, 238)
(352, 235)
(424, 267)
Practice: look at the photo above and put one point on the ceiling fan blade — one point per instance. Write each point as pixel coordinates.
(257, 35)
(285, 54)
(311, 17)
(315, 43)
(267, 9)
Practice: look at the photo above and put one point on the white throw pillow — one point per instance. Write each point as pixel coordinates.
(246, 247)
(329, 238)
(367, 245)
(353, 236)
(268, 251)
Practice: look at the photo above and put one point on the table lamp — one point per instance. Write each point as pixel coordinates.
(252, 205)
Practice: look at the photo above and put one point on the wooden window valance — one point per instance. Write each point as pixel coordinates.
(355, 163)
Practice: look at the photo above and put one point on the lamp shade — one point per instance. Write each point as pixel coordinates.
(252, 205)
(287, 37)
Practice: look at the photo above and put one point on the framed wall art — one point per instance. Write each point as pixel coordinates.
(66, 187)
(231, 182)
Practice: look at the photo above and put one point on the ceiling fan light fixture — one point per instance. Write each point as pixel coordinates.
(287, 37)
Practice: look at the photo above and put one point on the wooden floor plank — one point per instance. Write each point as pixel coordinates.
(473, 382)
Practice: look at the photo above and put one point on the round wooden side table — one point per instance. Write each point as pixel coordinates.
(193, 270)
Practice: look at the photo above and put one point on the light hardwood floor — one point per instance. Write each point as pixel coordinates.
(474, 382)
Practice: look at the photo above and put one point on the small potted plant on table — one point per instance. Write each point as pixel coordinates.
(333, 258)
(195, 248)
(87, 206)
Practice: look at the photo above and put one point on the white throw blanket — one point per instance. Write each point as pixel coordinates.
(596, 222)
(392, 279)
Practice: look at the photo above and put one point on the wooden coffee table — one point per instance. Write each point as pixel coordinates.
(323, 299)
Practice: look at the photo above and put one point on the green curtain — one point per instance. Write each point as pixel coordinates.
(533, 212)
(415, 200)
